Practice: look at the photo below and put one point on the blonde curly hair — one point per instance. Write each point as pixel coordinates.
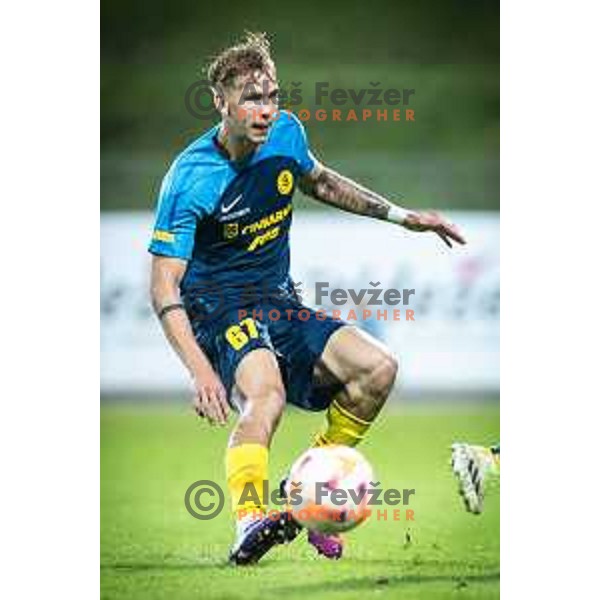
(251, 54)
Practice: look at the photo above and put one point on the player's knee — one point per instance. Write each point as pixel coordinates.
(275, 402)
(266, 404)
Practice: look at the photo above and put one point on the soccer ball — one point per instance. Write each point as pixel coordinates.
(316, 486)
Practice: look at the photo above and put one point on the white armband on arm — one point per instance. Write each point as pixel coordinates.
(397, 214)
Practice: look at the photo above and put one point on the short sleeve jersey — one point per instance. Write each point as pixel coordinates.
(231, 219)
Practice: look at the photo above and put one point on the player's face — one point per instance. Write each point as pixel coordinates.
(251, 104)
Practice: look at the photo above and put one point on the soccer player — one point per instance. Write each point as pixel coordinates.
(222, 232)
(472, 465)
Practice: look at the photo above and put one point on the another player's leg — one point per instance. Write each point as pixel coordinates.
(260, 396)
(472, 466)
(367, 371)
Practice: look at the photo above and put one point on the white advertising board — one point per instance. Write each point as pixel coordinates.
(451, 345)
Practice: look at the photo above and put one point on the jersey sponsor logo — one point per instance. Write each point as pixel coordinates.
(263, 238)
(231, 230)
(285, 182)
(269, 220)
(163, 236)
(228, 207)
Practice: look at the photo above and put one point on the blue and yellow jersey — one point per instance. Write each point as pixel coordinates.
(231, 219)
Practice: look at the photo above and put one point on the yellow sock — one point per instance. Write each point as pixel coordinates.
(343, 428)
(246, 464)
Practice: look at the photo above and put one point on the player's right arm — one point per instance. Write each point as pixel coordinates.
(210, 398)
(180, 208)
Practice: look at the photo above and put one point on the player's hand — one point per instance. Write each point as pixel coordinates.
(210, 398)
(432, 221)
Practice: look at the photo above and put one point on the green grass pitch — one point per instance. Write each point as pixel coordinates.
(152, 548)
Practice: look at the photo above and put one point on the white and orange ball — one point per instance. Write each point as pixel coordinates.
(314, 484)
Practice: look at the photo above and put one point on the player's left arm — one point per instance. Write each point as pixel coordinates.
(325, 185)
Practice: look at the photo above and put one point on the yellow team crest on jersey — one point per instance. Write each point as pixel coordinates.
(285, 182)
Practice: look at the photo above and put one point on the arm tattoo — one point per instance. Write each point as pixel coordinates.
(336, 190)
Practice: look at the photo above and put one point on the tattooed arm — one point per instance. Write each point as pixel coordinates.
(327, 186)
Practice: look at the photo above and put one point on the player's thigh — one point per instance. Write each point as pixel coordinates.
(351, 354)
(258, 385)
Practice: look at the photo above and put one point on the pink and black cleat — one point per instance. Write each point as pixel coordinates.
(329, 545)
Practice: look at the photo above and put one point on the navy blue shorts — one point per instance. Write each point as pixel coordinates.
(297, 337)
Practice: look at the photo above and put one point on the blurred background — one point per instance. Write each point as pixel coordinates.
(446, 159)
(448, 51)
